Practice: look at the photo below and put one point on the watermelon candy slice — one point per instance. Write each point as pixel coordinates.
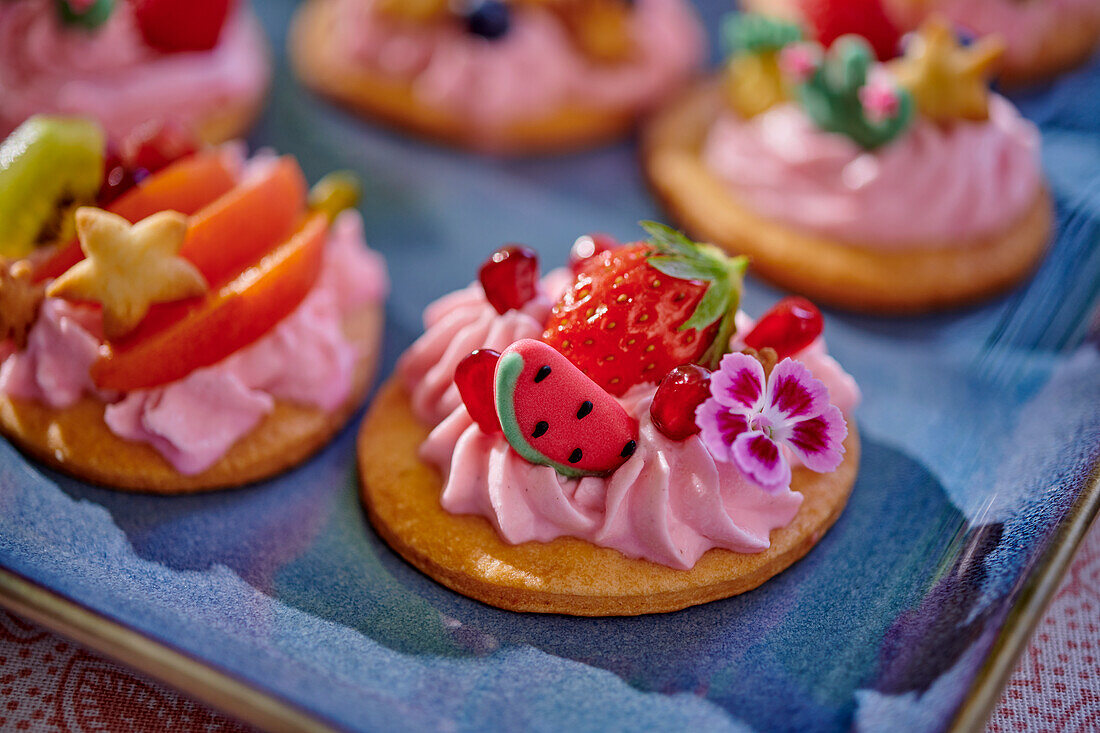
(552, 414)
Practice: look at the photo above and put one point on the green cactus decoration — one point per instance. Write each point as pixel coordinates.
(88, 15)
(752, 33)
(831, 96)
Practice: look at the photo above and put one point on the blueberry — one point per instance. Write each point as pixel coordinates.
(489, 19)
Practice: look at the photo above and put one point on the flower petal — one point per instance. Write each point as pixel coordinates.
(819, 441)
(719, 427)
(739, 383)
(760, 459)
(794, 394)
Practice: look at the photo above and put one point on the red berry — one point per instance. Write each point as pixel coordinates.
(589, 246)
(181, 25)
(621, 320)
(117, 178)
(790, 326)
(510, 277)
(155, 144)
(474, 379)
(681, 392)
(831, 19)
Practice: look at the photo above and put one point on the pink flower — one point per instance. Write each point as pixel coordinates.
(880, 98)
(800, 61)
(749, 419)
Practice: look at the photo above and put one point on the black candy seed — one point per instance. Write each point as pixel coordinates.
(540, 428)
(575, 455)
(586, 407)
(543, 373)
(628, 449)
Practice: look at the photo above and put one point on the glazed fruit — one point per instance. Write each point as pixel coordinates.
(46, 162)
(181, 25)
(474, 379)
(510, 277)
(674, 404)
(554, 415)
(831, 19)
(175, 339)
(637, 311)
(587, 247)
(489, 19)
(791, 325)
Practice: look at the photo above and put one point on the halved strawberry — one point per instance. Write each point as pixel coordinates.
(639, 310)
(831, 19)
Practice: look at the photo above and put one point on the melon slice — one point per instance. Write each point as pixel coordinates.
(554, 415)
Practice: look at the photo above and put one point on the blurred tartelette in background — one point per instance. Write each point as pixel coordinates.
(522, 76)
(1043, 37)
(173, 317)
(202, 64)
(614, 439)
(897, 186)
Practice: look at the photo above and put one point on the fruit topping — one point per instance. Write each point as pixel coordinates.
(831, 19)
(637, 311)
(148, 149)
(588, 246)
(20, 299)
(178, 338)
(474, 378)
(489, 19)
(554, 415)
(510, 277)
(181, 25)
(335, 192)
(678, 396)
(85, 13)
(791, 325)
(47, 166)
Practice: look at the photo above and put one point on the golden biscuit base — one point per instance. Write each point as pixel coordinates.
(318, 63)
(1067, 45)
(915, 279)
(567, 575)
(77, 441)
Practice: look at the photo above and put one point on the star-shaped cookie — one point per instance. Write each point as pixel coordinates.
(947, 80)
(20, 299)
(129, 267)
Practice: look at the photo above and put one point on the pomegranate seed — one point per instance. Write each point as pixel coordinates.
(154, 145)
(510, 277)
(790, 326)
(117, 178)
(474, 379)
(681, 391)
(589, 246)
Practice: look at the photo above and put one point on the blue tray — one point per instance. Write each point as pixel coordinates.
(981, 433)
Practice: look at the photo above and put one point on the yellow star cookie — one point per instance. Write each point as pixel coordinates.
(948, 81)
(128, 268)
(20, 299)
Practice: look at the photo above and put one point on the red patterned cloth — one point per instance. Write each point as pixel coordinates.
(49, 684)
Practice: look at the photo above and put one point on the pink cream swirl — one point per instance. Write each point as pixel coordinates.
(930, 187)
(110, 74)
(533, 70)
(670, 503)
(305, 359)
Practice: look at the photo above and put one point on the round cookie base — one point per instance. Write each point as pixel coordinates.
(77, 441)
(916, 279)
(1069, 44)
(316, 62)
(567, 575)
